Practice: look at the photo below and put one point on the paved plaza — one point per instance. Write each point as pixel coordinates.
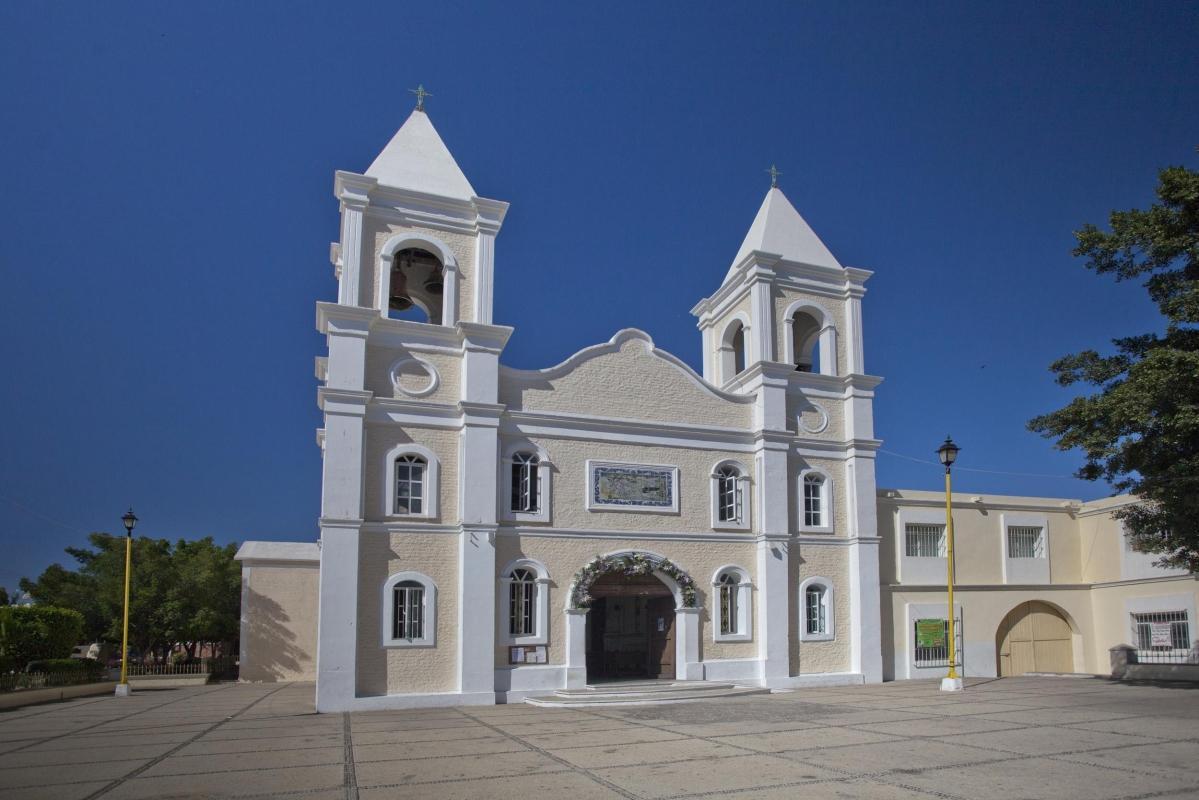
(1005, 739)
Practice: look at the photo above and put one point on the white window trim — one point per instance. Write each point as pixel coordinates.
(743, 486)
(829, 614)
(744, 608)
(1035, 570)
(541, 604)
(545, 470)
(431, 485)
(429, 633)
(591, 506)
(826, 500)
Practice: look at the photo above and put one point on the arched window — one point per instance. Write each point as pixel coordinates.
(410, 474)
(524, 603)
(810, 338)
(734, 349)
(816, 596)
(739, 350)
(731, 593)
(416, 285)
(409, 610)
(815, 511)
(526, 483)
(410, 487)
(805, 335)
(729, 485)
(521, 595)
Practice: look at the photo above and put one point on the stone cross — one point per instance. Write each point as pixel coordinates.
(421, 94)
(774, 174)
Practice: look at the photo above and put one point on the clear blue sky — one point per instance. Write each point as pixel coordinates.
(167, 213)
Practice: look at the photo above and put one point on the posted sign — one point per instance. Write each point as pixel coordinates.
(930, 633)
(1159, 635)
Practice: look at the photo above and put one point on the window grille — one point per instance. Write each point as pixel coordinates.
(521, 592)
(728, 495)
(1162, 637)
(728, 603)
(816, 609)
(813, 501)
(925, 541)
(409, 617)
(526, 494)
(410, 484)
(938, 656)
(1025, 541)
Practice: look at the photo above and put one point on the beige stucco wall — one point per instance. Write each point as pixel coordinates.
(798, 404)
(826, 561)
(1110, 613)
(564, 556)
(630, 383)
(400, 670)
(380, 440)
(462, 246)
(1100, 543)
(570, 456)
(378, 374)
(279, 613)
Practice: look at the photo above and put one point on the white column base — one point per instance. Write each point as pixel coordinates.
(951, 684)
(123, 690)
(687, 663)
(576, 648)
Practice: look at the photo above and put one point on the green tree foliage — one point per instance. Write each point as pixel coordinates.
(4, 600)
(185, 593)
(28, 633)
(1141, 429)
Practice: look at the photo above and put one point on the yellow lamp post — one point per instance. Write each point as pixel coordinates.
(948, 453)
(130, 519)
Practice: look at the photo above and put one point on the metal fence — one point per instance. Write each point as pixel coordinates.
(939, 656)
(12, 681)
(1163, 637)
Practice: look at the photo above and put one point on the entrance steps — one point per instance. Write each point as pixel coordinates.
(641, 693)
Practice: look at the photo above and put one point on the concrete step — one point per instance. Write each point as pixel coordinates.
(643, 687)
(610, 695)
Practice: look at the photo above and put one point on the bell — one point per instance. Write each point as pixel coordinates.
(399, 302)
(434, 285)
(399, 299)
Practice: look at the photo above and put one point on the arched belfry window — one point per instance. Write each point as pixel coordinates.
(810, 339)
(805, 335)
(734, 350)
(416, 286)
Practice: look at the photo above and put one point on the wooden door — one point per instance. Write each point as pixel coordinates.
(660, 611)
(1035, 637)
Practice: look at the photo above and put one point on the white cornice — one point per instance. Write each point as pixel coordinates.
(288, 554)
(346, 402)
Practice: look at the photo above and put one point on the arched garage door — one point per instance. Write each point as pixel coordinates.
(1034, 637)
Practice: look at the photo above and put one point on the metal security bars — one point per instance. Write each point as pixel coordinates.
(937, 654)
(1162, 637)
(925, 541)
(1025, 541)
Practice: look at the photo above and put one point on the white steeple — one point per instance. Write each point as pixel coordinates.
(778, 228)
(416, 158)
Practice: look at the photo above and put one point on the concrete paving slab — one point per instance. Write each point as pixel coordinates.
(726, 774)
(37, 757)
(1048, 740)
(216, 747)
(233, 762)
(417, 734)
(807, 739)
(858, 789)
(629, 735)
(896, 756)
(400, 751)
(20, 777)
(230, 784)
(546, 785)
(430, 770)
(631, 754)
(74, 791)
(1177, 758)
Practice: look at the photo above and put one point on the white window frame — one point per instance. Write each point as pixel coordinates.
(1034, 570)
(743, 485)
(431, 485)
(743, 632)
(826, 501)
(829, 602)
(541, 603)
(941, 539)
(1038, 542)
(545, 471)
(429, 632)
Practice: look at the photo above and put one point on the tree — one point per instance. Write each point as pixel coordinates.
(4, 596)
(29, 633)
(1140, 431)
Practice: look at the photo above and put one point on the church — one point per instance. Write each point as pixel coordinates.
(490, 534)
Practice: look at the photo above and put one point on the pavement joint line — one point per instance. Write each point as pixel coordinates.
(85, 728)
(138, 771)
(572, 767)
(351, 780)
(54, 705)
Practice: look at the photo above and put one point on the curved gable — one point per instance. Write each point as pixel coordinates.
(626, 378)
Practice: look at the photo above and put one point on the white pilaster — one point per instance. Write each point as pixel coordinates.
(763, 320)
(773, 572)
(337, 620)
(576, 648)
(865, 600)
(353, 194)
(686, 654)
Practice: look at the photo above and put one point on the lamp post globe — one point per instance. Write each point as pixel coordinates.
(129, 519)
(948, 452)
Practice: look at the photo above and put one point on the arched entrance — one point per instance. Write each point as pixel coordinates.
(630, 628)
(1034, 637)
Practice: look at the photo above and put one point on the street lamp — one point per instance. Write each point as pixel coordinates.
(129, 519)
(948, 453)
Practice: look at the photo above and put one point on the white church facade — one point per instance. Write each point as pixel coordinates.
(489, 533)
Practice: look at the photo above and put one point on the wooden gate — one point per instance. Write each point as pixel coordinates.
(1034, 637)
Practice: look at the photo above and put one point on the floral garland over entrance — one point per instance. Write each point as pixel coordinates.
(628, 564)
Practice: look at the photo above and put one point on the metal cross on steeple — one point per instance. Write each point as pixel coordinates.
(421, 94)
(774, 175)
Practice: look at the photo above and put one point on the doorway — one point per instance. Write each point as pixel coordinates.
(1034, 637)
(630, 629)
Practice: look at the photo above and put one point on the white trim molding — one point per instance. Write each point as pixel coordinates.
(743, 602)
(398, 390)
(1024, 570)
(428, 637)
(828, 599)
(431, 486)
(541, 603)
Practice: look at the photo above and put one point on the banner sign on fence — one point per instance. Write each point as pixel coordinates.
(930, 633)
(1159, 635)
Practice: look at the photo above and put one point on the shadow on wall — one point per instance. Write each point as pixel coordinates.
(269, 643)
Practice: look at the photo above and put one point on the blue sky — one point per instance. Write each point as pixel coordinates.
(167, 212)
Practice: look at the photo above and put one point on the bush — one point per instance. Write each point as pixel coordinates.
(90, 666)
(36, 633)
